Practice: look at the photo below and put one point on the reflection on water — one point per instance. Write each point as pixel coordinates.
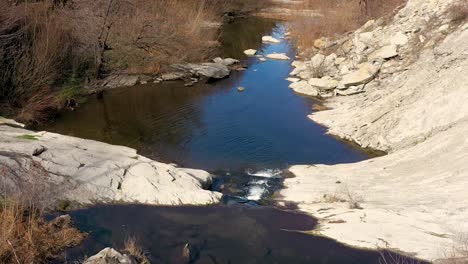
(213, 126)
(214, 234)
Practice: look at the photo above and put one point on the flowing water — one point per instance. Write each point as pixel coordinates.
(246, 139)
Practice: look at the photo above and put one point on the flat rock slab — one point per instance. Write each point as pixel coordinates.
(323, 83)
(385, 52)
(303, 87)
(270, 39)
(88, 171)
(277, 56)
(209, 69)
(365, 73)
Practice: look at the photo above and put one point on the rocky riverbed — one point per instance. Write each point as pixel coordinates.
(399, 87)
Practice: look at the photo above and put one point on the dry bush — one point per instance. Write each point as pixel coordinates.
(353, 198)
(337, 17)
(458, 12)
(389, 257)
(25, 237)
(132, 247)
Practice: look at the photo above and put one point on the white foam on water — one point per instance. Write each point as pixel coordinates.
(256, 192)
(268, 173)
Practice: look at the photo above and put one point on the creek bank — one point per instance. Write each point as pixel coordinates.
(88, 172)
(411, 105)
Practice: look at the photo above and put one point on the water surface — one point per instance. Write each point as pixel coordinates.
(212, 126)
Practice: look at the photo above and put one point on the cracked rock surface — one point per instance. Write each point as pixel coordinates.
(87, 171)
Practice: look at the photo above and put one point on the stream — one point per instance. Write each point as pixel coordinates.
(247, 140)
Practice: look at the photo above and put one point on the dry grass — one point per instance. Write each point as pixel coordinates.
(389, 257)
(338, 17)
(25, 237)
(132, 248)
(48, 44)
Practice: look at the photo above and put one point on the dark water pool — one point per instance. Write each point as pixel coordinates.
(214, 235)
(213, 126)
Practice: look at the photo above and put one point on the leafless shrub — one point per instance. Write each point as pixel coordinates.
(389, 257)
(458, 12)
(337, 17)
(132, 247)
(25, 236)
(354, 199)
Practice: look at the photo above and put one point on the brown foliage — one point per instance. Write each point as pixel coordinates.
(25, 237)
(337, 17)
(458, 12)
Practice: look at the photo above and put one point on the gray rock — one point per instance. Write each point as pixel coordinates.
(120, 81)
(209, 69)
(110, 256)
(227, 61)
(172, 76)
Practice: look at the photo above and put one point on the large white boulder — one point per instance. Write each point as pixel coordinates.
(88, 171)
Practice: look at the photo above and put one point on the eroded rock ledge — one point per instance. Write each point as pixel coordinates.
(415, 198)
(87, 171)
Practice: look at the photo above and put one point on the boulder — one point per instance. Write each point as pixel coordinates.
(322, 43)
(277, 56)
(209, 69)
(250, 52)
(325, 83)
(317, 60)
(304, 87)
(261, 59)
(386, 52)
(87, 171)
(172, 76)
(270, 39)
(120, 81)
(110, 256)
(227, 61)
(399, 39)
(365, 73)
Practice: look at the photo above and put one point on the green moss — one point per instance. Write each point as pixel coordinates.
(28, 137)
